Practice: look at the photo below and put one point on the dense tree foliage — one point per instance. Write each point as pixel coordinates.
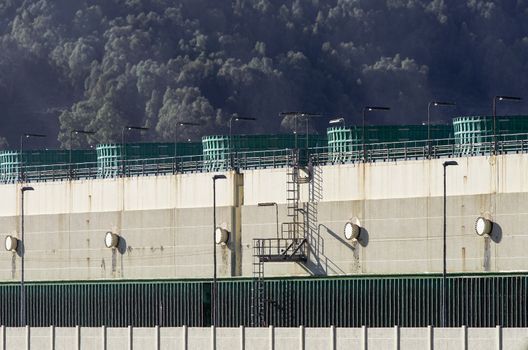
(103, 64)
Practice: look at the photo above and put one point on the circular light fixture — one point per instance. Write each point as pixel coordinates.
(221, 235)
(483, 226)
(11, 243)
(352, 231)
(111, 240)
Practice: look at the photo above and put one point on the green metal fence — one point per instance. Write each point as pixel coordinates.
(14, 168)
(9, 166)
(475, 301)
(473, 134)
(472, 137)
(111, 162)
(111, 304)
(345, 144)
(221, 153)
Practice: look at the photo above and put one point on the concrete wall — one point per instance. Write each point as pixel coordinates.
(400, 207)
(166, 222)
(166, 226)
(265, 338)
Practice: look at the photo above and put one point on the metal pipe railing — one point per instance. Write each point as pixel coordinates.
(388, 151)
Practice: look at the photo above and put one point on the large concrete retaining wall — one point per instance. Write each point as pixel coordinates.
(166, 222)
(264, 338)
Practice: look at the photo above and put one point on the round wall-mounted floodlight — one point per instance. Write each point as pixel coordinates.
(483, 226)
(111, 240)
(11, 243)
(221, 235)
(352, 231)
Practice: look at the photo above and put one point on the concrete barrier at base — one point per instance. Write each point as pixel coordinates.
(271, 338)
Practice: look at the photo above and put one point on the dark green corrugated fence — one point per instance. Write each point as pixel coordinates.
(113, 304)
(475, 301)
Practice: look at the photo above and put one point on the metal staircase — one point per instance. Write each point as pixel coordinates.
(315, 195)
(290, 247)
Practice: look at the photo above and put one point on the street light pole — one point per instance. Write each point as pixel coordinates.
(181, 124)
(22, 254)
(76, 132)
(444, 271)
(435, 104)
(213, 299)
(295, 116)
(123, 148)
(365, 110)
(22, 137)
(271, 204)
(495, 99)
(236, 119)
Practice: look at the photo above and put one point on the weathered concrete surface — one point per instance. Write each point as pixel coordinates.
(166, 222)
(266, 338)
(400, 207)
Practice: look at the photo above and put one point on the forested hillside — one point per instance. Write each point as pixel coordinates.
(102, 64)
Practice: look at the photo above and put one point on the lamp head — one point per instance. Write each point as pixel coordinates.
(377, 108)
(28, 135)
(87, 132)
(184, 123)
(111, 240)
(508, 98)
(11, 243)
(136, 128)
(443, 103)
(337, 120)
(450, 162)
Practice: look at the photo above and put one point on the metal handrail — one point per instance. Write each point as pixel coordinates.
(374, 152)
(279, 246)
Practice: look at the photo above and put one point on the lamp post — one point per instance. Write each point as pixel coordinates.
(435, 104)
(444, 271)
(271, 204)
(76, 132)
(295, 116)
(495, 99)
(236, 119)
(181, 124)
(123, 148)
(365, 110)
(213, 316)
(22, 254)
(22, 138)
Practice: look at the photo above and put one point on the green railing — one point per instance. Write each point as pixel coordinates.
(407, 301)
(423, 149)
(374, 152)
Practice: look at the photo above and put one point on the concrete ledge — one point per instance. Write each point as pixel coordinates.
(266, 338)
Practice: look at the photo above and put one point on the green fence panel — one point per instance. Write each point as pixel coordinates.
(474, 301)
(345, 144)
(220, 152)
(474, 134)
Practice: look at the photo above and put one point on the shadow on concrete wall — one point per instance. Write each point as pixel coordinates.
(364, 237)
(122, 245)
(320, 264)
(495, 236)
(496, 233)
